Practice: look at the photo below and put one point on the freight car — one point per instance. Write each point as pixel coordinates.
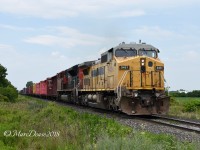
(127, 78)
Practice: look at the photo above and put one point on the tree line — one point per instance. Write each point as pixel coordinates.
(195, 93)
(7, 91)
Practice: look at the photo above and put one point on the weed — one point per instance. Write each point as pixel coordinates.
(76, 130)
(185, 107)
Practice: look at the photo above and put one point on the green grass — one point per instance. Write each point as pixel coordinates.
(76, 130)
(187, 107)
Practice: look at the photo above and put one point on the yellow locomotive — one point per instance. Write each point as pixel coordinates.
(127, 78)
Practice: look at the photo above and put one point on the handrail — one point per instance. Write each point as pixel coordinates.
(167, 86)
(119, 87)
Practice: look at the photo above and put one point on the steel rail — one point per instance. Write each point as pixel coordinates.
(178, 120)
(177, 123)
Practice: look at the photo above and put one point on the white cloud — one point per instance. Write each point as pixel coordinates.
(47, 8)
(5, 46)
(66, 37)
(15, 28)
(58, 55)
(72, 8)
(130, 13)
(173, 40)
(66, 42)
(43, 8)
(44, 40)
(156, 32)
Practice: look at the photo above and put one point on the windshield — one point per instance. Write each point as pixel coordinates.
(149, 53)
(125, 52)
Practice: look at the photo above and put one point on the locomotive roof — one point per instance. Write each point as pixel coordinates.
(86, 64)
(136, 46)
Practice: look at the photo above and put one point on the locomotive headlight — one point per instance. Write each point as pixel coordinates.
(136, 94)
(157, 94)
(142, 61)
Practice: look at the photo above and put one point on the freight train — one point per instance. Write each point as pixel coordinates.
(128, 78)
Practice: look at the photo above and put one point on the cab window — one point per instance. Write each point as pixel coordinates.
(125, 52)
(149, 53)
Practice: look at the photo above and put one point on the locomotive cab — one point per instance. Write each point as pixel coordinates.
(140, 88)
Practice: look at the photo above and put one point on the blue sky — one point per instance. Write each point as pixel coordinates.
(39, 38)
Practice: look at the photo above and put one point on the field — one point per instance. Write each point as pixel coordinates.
(186, 107)
(34, 124)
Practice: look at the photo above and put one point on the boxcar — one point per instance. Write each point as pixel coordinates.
(24, 90)
(30, 90)
(52, 87)
(34, 88)
(37, 89)
(43, 88)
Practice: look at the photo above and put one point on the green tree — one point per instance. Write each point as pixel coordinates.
(29, 83)
(7, 91)
(195, 93)
(3, 81)
(3, 71)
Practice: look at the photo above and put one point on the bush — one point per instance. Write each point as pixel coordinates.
(8, 94)
(172, 101)
(143, 140)
(7, 91)
(3, 98)
(195, 93)
(192, 106)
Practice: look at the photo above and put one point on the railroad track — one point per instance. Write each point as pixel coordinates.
(186, 125)
(182, 124)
